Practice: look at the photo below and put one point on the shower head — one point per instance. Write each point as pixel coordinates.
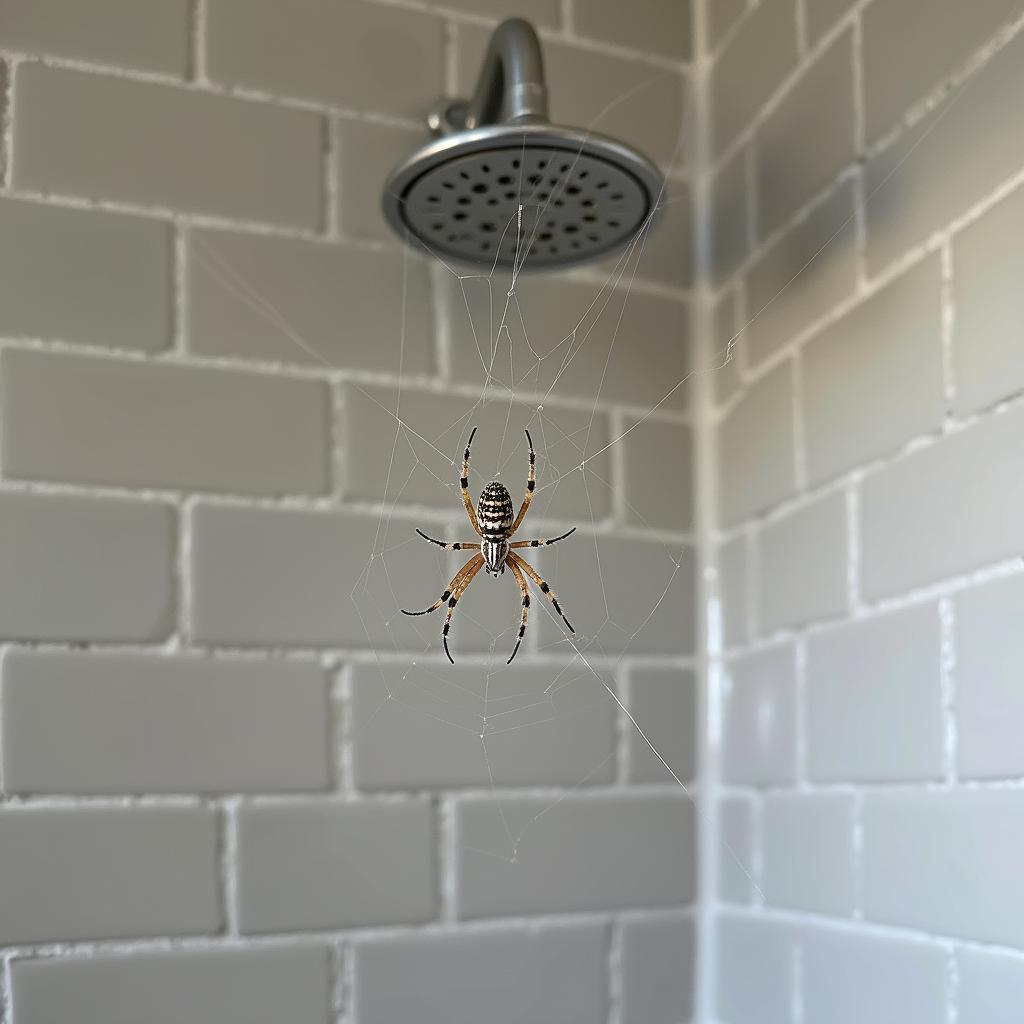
(501, 186)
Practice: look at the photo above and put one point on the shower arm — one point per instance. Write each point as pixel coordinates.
(510, 88)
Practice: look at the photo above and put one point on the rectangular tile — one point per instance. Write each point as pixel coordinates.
(809, 853)
(664, 704)
(421, 463)
(107, 873)
(877, 678)
(506, 975)
(419, 725)
(946, 863)
(658, 484)
(736, 849)
(234, 986)
(818, 106)
(850, 978)
(325, 865)
(331, 306)
(522, 855)
(99, 569)
(125, 723)
(106, 137)
(970, 143)
(134, 424)
(267, 576)
(658, 968)
(888, 347)
(948, 508)
(989, 663)
(757, 461)
(651, 26)
(759, 718)
(754, 982)
(802, 565)
(150, 37)
(991, 987)
(84, 277)
(335, 56)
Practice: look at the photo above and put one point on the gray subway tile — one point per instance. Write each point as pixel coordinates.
(822, 15)
(367, 153)
(734, 588)
(949, 508)
(802, 276)
(268, 576)
(946, 862)
(150, 37)
(652, 26)
(258, 297)
(135, 424)
(75, 568)
(658, 970)
(819, 107)
(540, 12)
(850, 978)
(750, 68)
(754, 981)
(580, 339)
(759, 718)
(658, 478)
(664, 704)
(756, 466)
(126, 723)
(234, 986)
(730, 232)
(522, 855)
(802, 565)
(620, 595)
(991, 987)
(877, 678)
(988, 359)
(107, 873)
(721, 16)
(966, 135)
(422, 465)
(735, 847)
(988, 671)
(83, 276)
(507, 975)
(110, 138)
(898, 75)
(809, 852)
(336, 55)
(328, 865)
(426, 725)
(888, 347)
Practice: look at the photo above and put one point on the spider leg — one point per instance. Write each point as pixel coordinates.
(515, 560)
(476, 561)
(537, 543)
(526, 608)
(531, 483)
(459, 545)
(457, 591)
(464, 484)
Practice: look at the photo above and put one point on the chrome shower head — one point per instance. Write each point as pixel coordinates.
(501, 186)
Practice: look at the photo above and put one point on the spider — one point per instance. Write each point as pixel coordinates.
(492, 520)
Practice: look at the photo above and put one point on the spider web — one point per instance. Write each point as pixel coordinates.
(558, 722)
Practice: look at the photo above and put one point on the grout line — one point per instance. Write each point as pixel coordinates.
(948, 320)
(620, 754)
(953, 987)
(447, 866)
(332, 179)
(947, 682)
(7, 122)
(6, 993)
(797, 981)
(614, 979)
(800, 671)
(801, 32)
(341, 689)
(857, 810)
(341, 966)
(229, 865)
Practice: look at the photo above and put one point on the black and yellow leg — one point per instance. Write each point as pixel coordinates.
(536, 543)
(526, 608)
(471, 566)
(514, 560)
(464, 484)
(457, 591)
(531, 484)
(459, 545)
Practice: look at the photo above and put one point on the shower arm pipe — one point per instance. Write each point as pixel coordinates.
(511, 86)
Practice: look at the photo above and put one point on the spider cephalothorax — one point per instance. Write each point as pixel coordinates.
(492, 520)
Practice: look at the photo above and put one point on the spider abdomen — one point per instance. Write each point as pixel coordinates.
(494, 511)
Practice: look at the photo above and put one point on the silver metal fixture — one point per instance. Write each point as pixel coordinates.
(501, 186)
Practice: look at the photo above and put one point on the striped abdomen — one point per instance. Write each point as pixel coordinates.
(494, 513)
